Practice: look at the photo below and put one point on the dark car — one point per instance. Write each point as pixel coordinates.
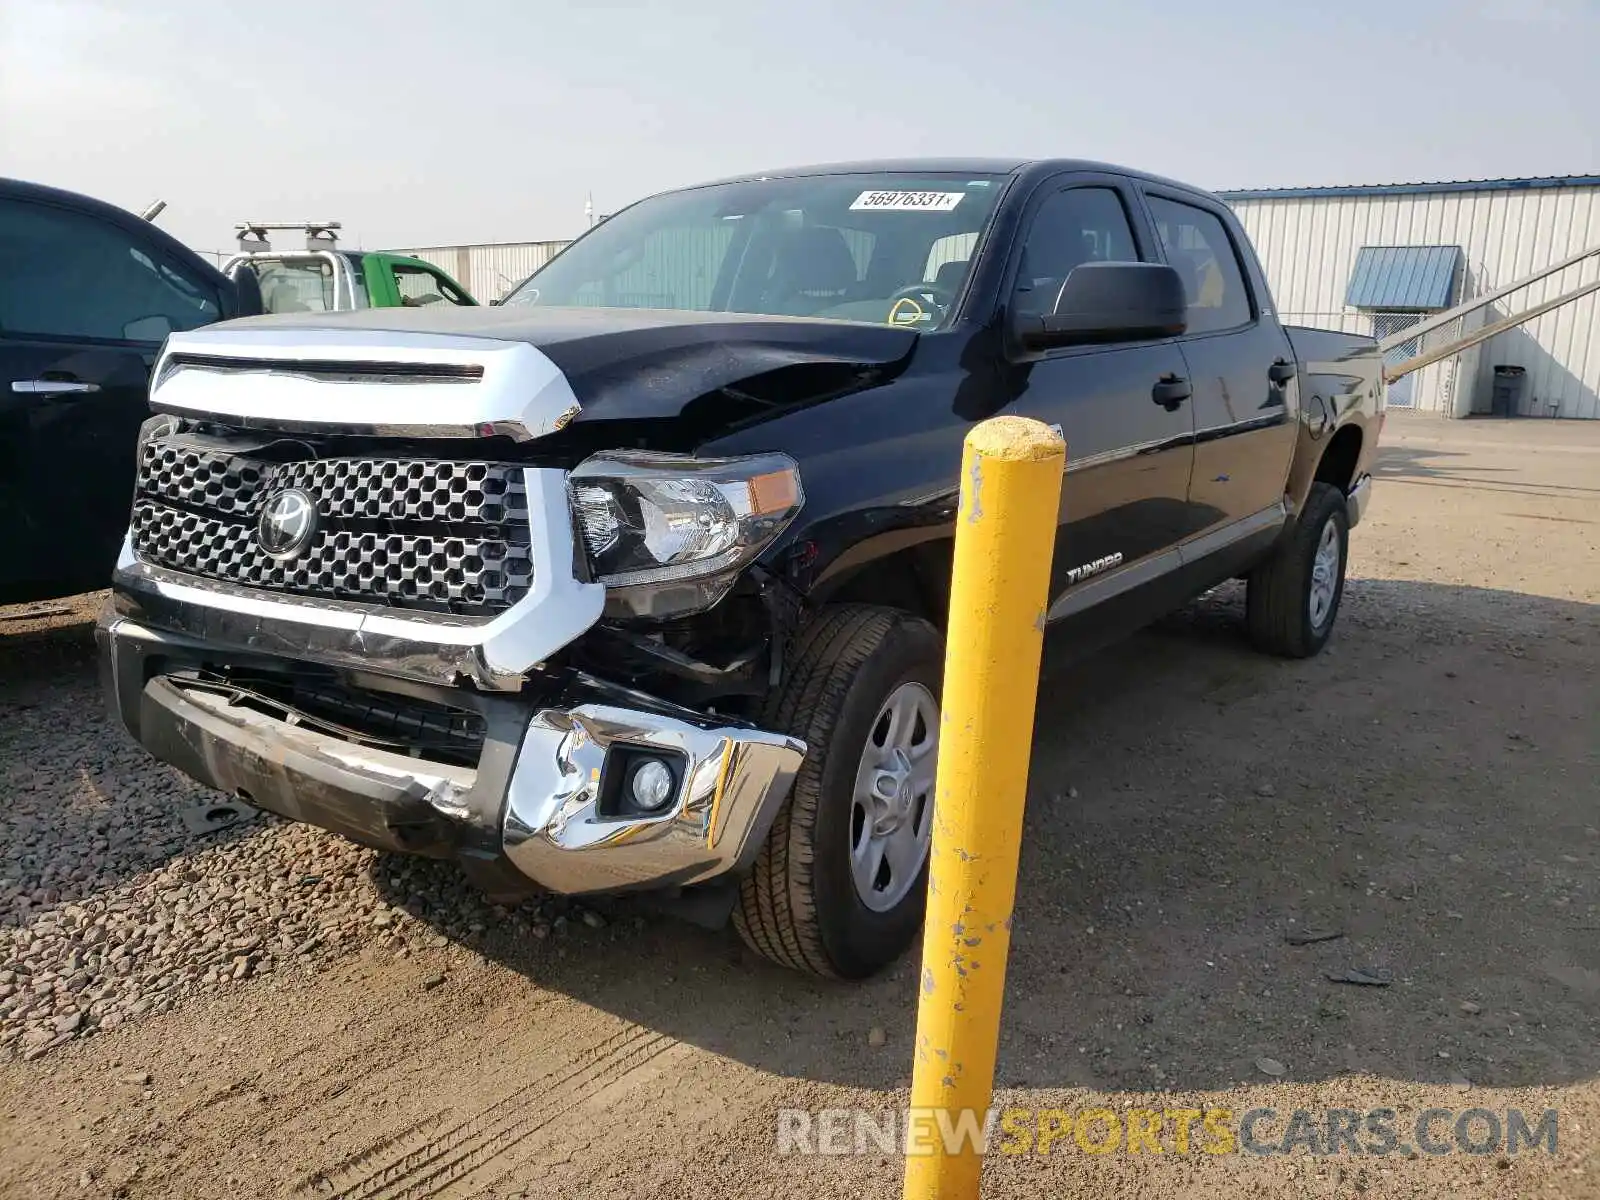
(88, 292)
(639, 581)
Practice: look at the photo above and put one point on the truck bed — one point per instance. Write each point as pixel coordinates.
(1313, 345)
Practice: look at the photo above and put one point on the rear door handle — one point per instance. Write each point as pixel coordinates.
(1171, 391)
(51, 387)
(1280, 372)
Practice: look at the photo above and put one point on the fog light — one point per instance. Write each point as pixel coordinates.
(651, 785)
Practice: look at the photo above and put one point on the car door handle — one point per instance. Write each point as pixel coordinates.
(1171, 391)
(1280, 372)
(52, 387)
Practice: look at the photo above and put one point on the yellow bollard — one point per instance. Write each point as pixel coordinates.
(999, 589)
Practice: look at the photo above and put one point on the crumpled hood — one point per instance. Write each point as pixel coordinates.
(620, 364)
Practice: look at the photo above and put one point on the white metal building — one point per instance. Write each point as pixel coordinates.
(1372, 259)
(1381, 258)
(490, 270)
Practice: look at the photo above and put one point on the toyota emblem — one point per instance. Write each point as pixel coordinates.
(287, 523)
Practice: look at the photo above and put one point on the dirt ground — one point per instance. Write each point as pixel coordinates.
(1429, 787)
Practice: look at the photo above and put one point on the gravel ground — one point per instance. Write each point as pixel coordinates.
(270, 1011)
(112, 909)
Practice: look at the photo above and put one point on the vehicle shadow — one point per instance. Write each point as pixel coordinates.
(1424, 790)
(1431, 466)
(82, 806)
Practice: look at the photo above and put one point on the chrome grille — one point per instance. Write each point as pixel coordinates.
(422, 533)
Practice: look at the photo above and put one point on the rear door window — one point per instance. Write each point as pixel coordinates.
(1196, 243)
(66, 274)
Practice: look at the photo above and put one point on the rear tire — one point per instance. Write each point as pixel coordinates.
(1293, 597)
(801, 906)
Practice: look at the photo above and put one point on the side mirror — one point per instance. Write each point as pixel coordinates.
(1110, 302)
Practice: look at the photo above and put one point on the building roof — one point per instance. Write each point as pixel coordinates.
(1414, 278)
(1344, 191)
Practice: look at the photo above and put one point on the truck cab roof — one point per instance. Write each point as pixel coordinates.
(1031, 167)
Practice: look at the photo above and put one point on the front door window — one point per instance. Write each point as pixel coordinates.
(64, 274)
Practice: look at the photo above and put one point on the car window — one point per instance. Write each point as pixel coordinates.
(67, 274)
(419, 287)
(878, 247)
(674, 267)
(295, 284)
(1074, 226)
(1196, 243)
(957, 248)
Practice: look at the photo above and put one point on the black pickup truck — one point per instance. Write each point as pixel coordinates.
(636, 582)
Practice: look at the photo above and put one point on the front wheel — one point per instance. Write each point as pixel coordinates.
(840, 885)
(1293, 597)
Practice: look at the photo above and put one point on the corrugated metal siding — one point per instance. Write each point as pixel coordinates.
(488, 271)
(1413, 278)
(1308, 248)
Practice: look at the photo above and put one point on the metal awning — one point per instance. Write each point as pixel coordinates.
(1405, 278)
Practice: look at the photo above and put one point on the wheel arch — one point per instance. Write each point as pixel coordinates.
(912, 578)
(1341, 457)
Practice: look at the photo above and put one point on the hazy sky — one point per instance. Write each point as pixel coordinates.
(440, 121)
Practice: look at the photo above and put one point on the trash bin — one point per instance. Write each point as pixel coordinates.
(1507, 394)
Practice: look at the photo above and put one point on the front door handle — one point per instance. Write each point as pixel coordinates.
(1171, 391)
(1280, 372)
(52, 387)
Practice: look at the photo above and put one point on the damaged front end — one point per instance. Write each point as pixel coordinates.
(392, 588)
(572, 784)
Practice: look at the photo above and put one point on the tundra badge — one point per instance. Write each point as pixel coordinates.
(1105, 563)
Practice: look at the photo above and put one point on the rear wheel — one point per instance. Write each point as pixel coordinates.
(840, 884)
(1293, 597)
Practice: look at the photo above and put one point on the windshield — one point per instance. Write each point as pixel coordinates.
(876, 248)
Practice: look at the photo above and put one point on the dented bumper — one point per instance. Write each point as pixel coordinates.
(545, 804)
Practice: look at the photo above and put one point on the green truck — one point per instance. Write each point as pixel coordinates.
(325, 278)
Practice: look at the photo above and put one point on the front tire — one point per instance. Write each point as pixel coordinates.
(1293, 597)
(840, 885)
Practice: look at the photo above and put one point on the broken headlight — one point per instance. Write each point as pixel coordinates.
(668, 533)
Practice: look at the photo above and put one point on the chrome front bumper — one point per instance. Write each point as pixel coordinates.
(730, 784)
(540, 807)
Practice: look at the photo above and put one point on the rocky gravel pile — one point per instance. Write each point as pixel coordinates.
(278, 896)
(111, 909)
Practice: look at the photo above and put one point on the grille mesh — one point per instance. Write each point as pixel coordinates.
(450, 536)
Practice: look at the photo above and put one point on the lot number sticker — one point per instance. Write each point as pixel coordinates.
(907, 201)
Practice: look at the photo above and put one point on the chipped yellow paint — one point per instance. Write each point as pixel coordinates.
(1005, 537)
